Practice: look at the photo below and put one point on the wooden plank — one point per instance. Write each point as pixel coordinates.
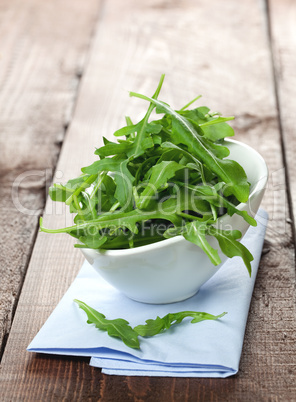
(283, 23)
(135, 42)
(43, 50)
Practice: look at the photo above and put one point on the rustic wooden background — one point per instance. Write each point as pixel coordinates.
(65, 71)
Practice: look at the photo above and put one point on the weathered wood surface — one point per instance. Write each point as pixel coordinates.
(222, 52)
(43, 53)
(283, 35)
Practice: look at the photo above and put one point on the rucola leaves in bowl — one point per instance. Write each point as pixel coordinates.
(161, 178)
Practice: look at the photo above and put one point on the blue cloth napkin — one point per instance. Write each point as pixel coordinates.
(205, 349)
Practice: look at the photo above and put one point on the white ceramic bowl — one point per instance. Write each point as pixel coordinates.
(174, 269)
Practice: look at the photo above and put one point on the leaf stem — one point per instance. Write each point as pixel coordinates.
(98, 184)
(190, 103)
(216, 121)
(83, 186)
(129, 123)
(141, 134)
(114, 206)
(87, 198)
(77, 206)
(188, 216)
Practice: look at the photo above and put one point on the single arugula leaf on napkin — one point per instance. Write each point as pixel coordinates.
(154, 327)
(120, 328)
(116, 328)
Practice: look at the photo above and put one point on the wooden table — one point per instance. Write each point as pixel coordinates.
(65, 68)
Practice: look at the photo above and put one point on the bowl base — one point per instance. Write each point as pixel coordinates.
(162, 301)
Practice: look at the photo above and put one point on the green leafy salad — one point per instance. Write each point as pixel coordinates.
(164, 177)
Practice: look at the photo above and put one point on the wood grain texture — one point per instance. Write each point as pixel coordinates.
(283, 33)
(43, 50)
(223, 53)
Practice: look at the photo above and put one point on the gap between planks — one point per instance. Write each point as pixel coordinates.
(276, 84)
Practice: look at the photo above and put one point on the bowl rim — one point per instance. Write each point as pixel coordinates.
(259, 185)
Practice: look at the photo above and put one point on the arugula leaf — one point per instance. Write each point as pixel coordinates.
(217, 132)
(231, 247)
(72, 188)
(121, 220)
(123, 177)
(139, 144)
(58, 192)
(120, 328)
(91, 241)
(133, 128)
(113, 148)
(159, 325)
(115, 328)
(160, 174)
(207, 122)
(184, 132)
(211, 195)
(196, 233)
